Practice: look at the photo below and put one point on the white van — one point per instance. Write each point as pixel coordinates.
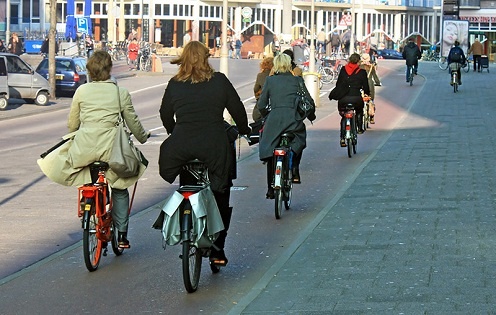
(23, 82)
(4, 88)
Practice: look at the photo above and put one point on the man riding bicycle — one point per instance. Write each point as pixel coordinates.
(456, 55)
(412, 54)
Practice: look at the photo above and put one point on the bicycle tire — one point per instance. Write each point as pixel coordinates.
(92, 246)
(288, 190)
(279, 194)
(115, 242)
(442, 63)
(191, 257)
(467, 67)
(455, 87)
(349, 145)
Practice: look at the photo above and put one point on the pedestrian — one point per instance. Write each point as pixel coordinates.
(237, 47)
(277, 105)
(294, 68)
(476, 49)
(2, 46)
(132, 35)
(96, 107)
(187, 37)
(44, 47)
(351, 81)
(90, 45)
(369, 67)
(132, 53)
(232, 49)
(335, 42)
(265, 69)
(321, 43)
(192, 113)
(275, 46)
(457, 56)
(15, 45)
(412, 54)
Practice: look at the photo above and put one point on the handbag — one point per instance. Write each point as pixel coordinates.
(304, 103)
(232, 132)
(125, 158)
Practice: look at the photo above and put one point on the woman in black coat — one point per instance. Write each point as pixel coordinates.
(192, 113)
(277, 103)
(354, 79)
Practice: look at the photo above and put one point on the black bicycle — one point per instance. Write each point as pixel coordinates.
(282, 181)
(351, 132)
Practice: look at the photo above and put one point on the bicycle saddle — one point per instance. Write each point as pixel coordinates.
(100, 165)
(288, 135)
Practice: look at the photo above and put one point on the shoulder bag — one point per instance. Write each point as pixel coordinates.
(304, 102)
(124, 157)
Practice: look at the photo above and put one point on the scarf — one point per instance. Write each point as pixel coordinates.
(350, 68)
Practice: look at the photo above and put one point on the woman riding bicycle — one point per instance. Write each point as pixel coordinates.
(277, 104)
(351, 81)
(192, 113)
(93, 115)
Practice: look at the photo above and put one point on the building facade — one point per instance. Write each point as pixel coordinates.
(384, 22)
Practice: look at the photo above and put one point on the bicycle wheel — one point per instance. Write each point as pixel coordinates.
(326, 75)
(191, 256)
(442, 63)
(191, 266)
(147, 65)
(349, 145)
(279, 196)
(115, 243)
(92, 246)
(288, 189)
(466, 68)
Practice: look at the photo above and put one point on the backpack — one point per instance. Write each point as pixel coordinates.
(455, 56)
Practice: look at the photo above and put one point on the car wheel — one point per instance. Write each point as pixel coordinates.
(3, 102)
(41, 98)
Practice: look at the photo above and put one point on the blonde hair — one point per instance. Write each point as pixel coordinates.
(193, 63)
(282, 63)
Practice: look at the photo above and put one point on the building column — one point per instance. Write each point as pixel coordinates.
(237, 21)
(287, 16)
(122, 22)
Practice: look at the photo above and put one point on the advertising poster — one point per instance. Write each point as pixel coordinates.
(454, 30)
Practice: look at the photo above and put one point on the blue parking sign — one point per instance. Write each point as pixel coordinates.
(82, 25)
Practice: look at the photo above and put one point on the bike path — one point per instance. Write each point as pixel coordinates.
(413, 233)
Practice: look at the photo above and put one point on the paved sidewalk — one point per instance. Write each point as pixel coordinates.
(415, 231)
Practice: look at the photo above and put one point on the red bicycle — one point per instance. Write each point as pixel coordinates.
(95, 211)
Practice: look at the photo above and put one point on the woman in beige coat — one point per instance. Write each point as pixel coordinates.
(92, 118)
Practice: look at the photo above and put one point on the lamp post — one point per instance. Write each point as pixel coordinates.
(223, 67)
(352, 37)
(7, 22)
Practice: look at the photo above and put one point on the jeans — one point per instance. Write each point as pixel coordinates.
(415, 67)
(120, 208)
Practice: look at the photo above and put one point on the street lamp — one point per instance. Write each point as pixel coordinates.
(223, 49)
(7, 22)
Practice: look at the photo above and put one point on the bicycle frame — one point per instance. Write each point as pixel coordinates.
(282, 180)
(350, 129)
(99, 193)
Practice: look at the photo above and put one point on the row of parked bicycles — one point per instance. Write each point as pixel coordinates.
(327, 68)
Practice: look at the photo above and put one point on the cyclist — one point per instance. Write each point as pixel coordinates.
(412, 54)
(456, 55)
(277, 105)
(192, 113)
(369, 67)
(351, 80)
(94, 112)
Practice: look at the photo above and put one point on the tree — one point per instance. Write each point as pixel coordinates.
(52, 41)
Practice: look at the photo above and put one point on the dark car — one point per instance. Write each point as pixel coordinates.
(389, 54)
(69, 71)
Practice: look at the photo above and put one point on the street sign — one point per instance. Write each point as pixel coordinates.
(82, 25)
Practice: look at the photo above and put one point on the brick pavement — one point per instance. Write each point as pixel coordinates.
(415, 231)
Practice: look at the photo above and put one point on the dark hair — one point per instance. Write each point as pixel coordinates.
(457, 43)
(99, 66)
(354, 58)
(290, 53)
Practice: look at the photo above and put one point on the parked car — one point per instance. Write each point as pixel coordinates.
(69, 71)
(22, 81)
(389, 54)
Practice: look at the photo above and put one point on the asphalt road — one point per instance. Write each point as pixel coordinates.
(42, 269)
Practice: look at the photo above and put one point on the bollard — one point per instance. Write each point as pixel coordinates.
(312, 82)
(156, 64)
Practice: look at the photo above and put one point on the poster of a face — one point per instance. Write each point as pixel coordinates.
(454, 30)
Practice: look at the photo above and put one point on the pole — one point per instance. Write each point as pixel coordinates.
(7, 28)
(352, 37)
(223, 67)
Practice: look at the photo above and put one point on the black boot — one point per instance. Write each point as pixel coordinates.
(122, 240)
(270, 173)
(217, 255)
(360, 123)
(296, 168)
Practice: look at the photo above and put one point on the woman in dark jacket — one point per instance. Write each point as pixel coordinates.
(192, 113)
(277, 102)
(265, 67)
(354, 78)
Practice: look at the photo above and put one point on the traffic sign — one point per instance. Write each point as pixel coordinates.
(345, 20)
(82, 25)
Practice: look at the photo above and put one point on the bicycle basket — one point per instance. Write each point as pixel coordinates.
(454, 66)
